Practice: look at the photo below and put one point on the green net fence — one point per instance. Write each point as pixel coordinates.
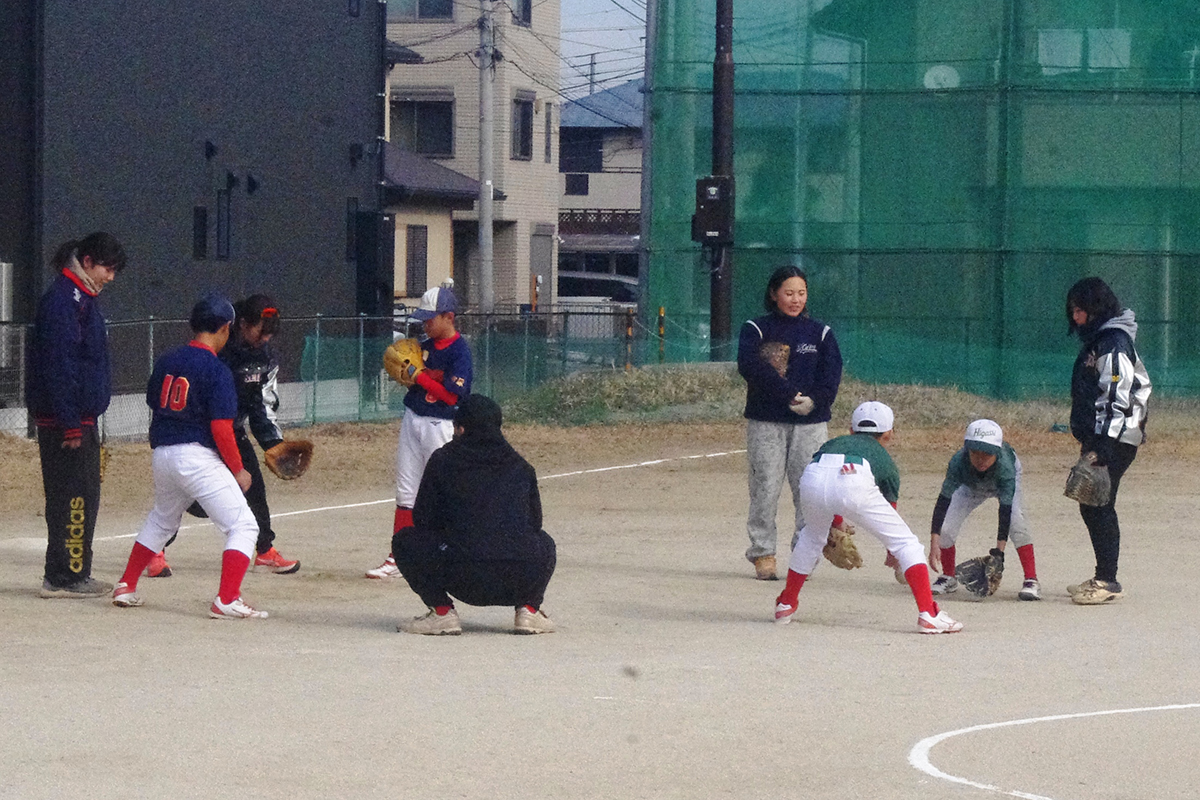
(944, 170)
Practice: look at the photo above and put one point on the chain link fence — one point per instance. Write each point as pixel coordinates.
(330, 368)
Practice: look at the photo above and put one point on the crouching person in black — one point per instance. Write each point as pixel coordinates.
(477, 529)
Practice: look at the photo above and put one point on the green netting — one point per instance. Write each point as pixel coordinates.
(945, 171)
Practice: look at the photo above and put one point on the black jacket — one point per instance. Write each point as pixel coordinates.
(1109, 386)
(482, 497)
(254, 375)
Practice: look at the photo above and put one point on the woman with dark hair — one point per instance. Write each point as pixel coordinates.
(69, 386)
(1109, 392)
(793, 367)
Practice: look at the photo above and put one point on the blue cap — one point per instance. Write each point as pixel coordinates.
(213, 306)
(436, 301)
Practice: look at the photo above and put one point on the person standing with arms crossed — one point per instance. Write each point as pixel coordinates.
(793, 368)
(193, 402)
(1109, 392)
(429, 406)
(68, 387)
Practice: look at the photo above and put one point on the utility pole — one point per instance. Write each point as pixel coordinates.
(721, 302)
(487, 134)
(592, 75)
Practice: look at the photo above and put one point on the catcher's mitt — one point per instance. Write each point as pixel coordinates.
(981, 576)
(1088, 484)
(776, 354)
(403, 361)
(289, 460)
(840, 548)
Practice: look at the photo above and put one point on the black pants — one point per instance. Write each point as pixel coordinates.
(256, 496)
(71, 478)
(1101, 521)
(435, 575)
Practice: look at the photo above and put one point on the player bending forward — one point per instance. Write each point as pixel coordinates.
(986, 466)
(855, 477)
(192, 396)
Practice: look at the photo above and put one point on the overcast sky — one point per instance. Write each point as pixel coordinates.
(614, 30)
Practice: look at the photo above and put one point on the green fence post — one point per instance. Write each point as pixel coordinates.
(662, 334)
(525, 357)
(361, 315)
(316, 370)
(566, 322)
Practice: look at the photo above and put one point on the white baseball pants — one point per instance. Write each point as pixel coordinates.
(965, 500)
(187, 472)
(833, 486)
(419, 437)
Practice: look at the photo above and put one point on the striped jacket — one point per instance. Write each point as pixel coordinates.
(1109, 386)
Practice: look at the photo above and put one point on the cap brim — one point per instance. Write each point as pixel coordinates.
(984, 447)
(423, 314)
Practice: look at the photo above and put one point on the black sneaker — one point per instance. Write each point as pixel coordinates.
(88, 587)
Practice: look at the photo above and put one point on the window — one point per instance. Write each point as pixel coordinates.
(409, 10)
(549, 134)
(577, 184)
(522, 128)
(522, 12)
(416, 260)
(423, 123)
(580, 150)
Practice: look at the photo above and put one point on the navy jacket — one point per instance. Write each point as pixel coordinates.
(814, 368)
(68, 375)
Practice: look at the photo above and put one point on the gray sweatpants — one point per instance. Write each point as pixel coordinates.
(777, 451)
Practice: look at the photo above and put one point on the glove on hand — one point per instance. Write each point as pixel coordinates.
(289, 460)
(981, 575)
(1088, 484)
(840, 548)
(403, 361)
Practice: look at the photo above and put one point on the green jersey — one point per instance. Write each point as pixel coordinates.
(860, 447)
(999, 481)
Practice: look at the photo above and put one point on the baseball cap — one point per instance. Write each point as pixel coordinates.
(213, 307)
(437, 300)
(985, 436)
(871, 417)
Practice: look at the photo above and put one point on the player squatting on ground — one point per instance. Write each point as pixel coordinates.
(195, 458)
(854, 477)
(434, 389)
(984, 467)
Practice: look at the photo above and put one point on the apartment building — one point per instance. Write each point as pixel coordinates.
(433, 111)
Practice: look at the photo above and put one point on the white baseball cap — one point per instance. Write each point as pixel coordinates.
(871, 417)
(985, 436)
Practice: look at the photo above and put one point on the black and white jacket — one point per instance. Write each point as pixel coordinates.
(1109, 386)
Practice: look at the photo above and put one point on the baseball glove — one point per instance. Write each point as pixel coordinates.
(840, 548)
(981, 576)
(776, 354)
(1088, 484)
(403, 361)
(289, 460)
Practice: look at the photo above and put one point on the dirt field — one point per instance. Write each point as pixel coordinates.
(667, 678)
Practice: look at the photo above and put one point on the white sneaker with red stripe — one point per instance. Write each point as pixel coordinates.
(387, 569)
(235, 610)
(124, 597)
(942, 623)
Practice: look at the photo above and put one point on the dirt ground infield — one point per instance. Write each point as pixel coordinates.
(667, 678)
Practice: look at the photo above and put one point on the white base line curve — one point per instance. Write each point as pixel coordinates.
(392, 500)
(918, 757)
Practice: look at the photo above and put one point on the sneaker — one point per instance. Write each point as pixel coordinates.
(1030, 590)
(783, 613)
(434, 624)
(88, 587)
(272, 561)
(928, 623)
(945, 584)
(527, 621)
(1096, 591)
(123, 596)
(158, 567)
(235, 610)
(764, 568)
(387, 569)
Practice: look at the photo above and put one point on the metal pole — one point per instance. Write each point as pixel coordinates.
(487, 132)
(316, 370)
(662, 334)
(628, 339)
(721, 282)
(361, 317)
(150, 369)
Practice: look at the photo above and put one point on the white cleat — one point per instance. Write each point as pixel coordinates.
(942, 623)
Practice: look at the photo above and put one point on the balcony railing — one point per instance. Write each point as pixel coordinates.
(593, 221)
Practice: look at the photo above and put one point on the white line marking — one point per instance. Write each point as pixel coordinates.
(919, 755)
(393, 500)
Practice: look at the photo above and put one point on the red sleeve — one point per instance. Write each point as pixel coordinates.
(222, 431)
(426, 382)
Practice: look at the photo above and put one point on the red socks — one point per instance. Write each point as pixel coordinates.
(233, 568)
(403, 519)
(918, 580)
(1025, 553)
(791, 590)
(442, 611)
(948, 561)
(139, 558)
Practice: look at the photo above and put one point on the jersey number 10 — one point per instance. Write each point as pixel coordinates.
(174, 393)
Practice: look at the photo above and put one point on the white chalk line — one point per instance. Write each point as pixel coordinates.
(392, 500)
(918, 757)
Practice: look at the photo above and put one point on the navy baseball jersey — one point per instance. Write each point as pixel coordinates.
(449, 363)
(189, 388)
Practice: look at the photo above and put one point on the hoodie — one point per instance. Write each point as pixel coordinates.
(1109, 385)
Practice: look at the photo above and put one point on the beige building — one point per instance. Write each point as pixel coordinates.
(433, 111)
